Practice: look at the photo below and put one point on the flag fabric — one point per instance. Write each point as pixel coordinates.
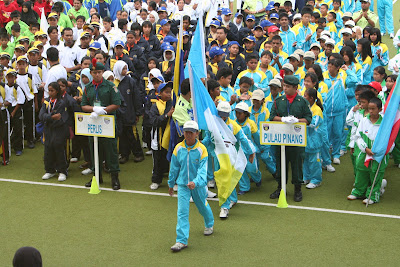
(43, 22)
(389, 128)
(197, 54)
(232, 162)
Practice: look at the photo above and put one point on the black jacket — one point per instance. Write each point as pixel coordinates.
(138, 59)
(155, 47)
(55, 131)
(144, 45)
(132, 107)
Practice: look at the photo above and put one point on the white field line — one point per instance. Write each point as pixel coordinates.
(240, 201)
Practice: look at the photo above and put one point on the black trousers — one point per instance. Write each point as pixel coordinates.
(16, 129)
(160, 165)
(4, 135)
(81, 143)
(294, 156)
(28, 120)
(146, 136)
(54, 158)
(129, 141)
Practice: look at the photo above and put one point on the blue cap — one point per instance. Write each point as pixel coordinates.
(258, 26)
(164, 21)
(170, 39)
(250, 38)
(269, 6)
(169, 48)
(266, 23)
(160, 78)
(226, 11)
(274, 16)
(220, 9)
(213, 42)
(185, 33)
(219, 18)
(164, 85)
(216, 23)
(215, 51)
(162, 8)
(119, 42)
(95, 45)
(251, 17)
(238, 14)
(236, 43)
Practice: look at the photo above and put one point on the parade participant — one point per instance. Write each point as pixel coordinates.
(191, 180)
(291, 108)
(101, 97)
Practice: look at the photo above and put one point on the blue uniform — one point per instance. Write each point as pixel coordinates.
(312, 170)
(288, 39)
(189, 164)
(259, 78)
(382, 59)
(365, 68)
(385, 14)
(301, 33)
(348, 6)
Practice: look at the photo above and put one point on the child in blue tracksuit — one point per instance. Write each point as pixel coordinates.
(312, 169)
(189, 171)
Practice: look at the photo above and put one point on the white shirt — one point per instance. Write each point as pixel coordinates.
(36, 79)
(47, 46)
(76, 33)
(81, 53)
(23, 82)
(394, 62)
(113, 35)
(69, 56)
(55, 72)
(10, 95)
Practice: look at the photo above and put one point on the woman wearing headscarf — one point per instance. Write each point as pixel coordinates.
(28, 15)
(130, 112)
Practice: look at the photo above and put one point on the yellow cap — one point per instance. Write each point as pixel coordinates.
(52, 15)
(37, 43)
(85, 34)
(33, 50)
(40, 33)
(24, 38)
(20, 46)
(11, 71)
(5, 54)
(95, 24)
(22, 58)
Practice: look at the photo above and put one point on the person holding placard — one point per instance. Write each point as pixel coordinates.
(291, 108)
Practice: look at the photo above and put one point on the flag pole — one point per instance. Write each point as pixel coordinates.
(373, 184)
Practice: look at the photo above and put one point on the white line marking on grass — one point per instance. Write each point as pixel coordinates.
(214, 199)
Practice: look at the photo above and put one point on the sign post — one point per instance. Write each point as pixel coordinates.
(102, 126)
(283, 134)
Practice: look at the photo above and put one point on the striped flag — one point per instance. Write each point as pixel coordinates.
(232, 162)
(178, 68)
(389, 128)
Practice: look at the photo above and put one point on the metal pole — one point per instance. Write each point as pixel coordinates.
(373, 184)
(283, 168)
(96, 159)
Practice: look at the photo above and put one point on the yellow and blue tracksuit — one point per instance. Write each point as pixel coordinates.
(335, 106)
(189, 164)
(382, 59)
(282, 58)
(301, 32)
(288, 39)
(366, 69)
(331, 27)
(300, 74)
(242, 141)
(226, 92)
(348, 6)
(322, 61)
(312, 170)
(339, 20)
(270, 73)
(385, 14)
(323, 90)
(259, 78)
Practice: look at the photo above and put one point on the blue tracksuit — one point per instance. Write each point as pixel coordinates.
(335, 106)
(312, 170)
(348, 6)
(288, 39)
(189, 164)
(301, 33)
(385, 14)
(382, 59)
(366, 69)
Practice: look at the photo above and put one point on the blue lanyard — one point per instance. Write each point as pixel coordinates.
(97, 91)
(288, 107)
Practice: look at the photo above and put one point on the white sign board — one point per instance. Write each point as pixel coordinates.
(102, 126)
(284, 134)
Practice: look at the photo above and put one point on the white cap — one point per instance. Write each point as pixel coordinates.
(224, 109)
(355, 28)
(295, 56)
(309, 55)
(275, 82)
(347, 31)
(315, 45)
(300, 52)
(327, 33)
(330, 41)
(242, 106)
(323, 37)
(278, 77)
(350, 23)
(297, 16)
(258, 95)
(288, 66)
(347, 14)
(190, 126)
(368, 1)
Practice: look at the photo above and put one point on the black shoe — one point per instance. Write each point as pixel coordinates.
(84, 166)
(89, 184)
(138, 158)
(123, 160)
(115, 181)
(275, 194)
(31, 145)
(298, 196)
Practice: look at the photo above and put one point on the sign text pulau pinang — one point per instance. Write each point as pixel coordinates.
(279, 133)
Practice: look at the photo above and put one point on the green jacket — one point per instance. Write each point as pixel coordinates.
(299, 108)
(9, 49)
(64, 21)
(108, 94)
(81, 12)
(23, 25)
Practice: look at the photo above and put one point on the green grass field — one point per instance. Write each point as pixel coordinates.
(73, 228)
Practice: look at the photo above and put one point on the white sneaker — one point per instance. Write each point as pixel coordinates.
(175, 188)
(232, 204)
(191, 200)
(351, 197)
(330, 168)
(154, 186)
(62, 177)
(211, 194)
(48, 175)
(144, 145)
(306, 181)
(208, 231)
(211, 184)
(398, 166)
(342, 152)
(370, 202)
(224, 213)
(178, 247)
(87, 171)
(336, 161)
(383, 186)
(148, 153)
(312, 186)
(73, 160)
(391, 36)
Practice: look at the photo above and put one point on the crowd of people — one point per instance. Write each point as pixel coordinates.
(318, 62)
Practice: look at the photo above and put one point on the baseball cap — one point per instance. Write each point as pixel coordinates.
(215, 23)
(5, 54)
(226, 11)
(236, 43)
(88, 26)
(250, 17)
(347, 31)
(224, 109)
(40, 33)
(160, 78)
(95, 24)
(119, 42)
(170, 39)
(190, 126)
(270, 6)
(184, 33)
(330, 41)
(22, 58)
(219, 18)
(297, 16)
(278, 77)
(33, 49)
(20, 46)
(294, 56)
(327, 33)
(162, 9)
(52, 15)
(257, 27)
(242, 107)
(11, 71)
(169, 48)
(323, 38)
(164, 21)
(347, 15)
(24, 39)
(250, 38)
(274, 16)
(215, 51)
(377, 86)
(315, 45)
(309, 55)
(368, 1)
(162, 86)
(288, 66)
(238, 14)
(95, 46)
(85, 35)
(266, 23)
(258, 95)
(275, 82)
(273, 29)
(350, 23)
(299, 52)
